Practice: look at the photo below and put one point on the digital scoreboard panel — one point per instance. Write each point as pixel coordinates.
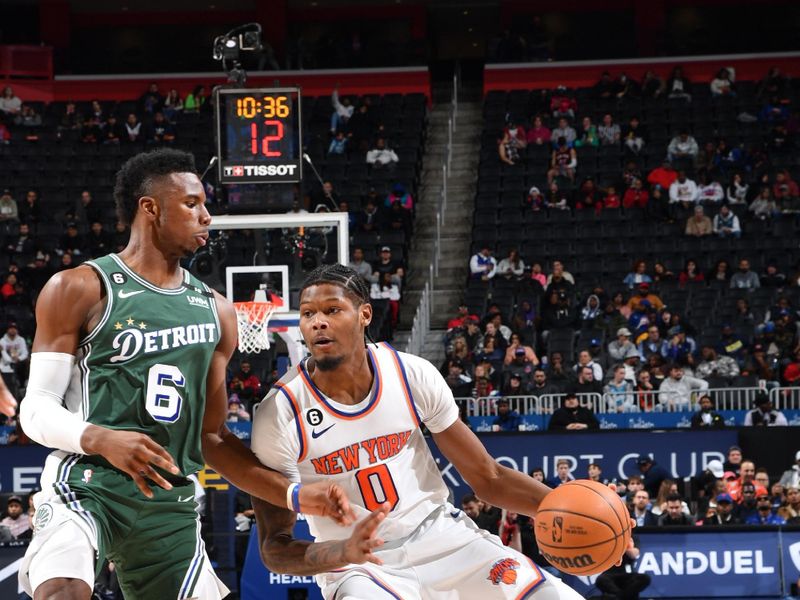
(258, 135)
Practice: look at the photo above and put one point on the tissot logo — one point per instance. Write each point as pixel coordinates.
(234, 171)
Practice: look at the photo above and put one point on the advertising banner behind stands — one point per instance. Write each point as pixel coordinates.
(790, 544)
(21, 467)
(11, 554)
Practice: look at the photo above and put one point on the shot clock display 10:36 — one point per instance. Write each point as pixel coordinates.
(258, 135)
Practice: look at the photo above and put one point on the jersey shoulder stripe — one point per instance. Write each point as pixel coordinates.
(320, 397)
(298, 418)
(403, 377)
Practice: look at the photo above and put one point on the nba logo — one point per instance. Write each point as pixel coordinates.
(558, 529)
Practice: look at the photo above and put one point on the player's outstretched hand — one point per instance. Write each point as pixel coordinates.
(358, 548)
(8, 405)
(134, 453)
(326, 500)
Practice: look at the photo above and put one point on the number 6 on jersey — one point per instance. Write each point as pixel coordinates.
(163, 401)
(376, 486)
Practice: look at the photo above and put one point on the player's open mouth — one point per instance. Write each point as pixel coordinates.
(202, 239)
(323, 342)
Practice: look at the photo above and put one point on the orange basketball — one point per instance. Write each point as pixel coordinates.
(582, 527)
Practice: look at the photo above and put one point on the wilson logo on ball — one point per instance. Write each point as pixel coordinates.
(570, 562)
(504, 571)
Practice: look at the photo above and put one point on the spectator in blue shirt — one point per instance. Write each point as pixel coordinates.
(764, 514)
(338, 144)
(507, 419)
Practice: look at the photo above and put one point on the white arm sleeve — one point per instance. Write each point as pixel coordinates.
(42, 413)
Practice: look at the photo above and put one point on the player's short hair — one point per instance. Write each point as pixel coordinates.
(345, 277)
(137, 175)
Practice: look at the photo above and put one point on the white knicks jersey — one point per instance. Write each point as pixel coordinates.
(375, 449)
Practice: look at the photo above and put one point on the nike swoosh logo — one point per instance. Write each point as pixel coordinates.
(182, 499)
(122, 295)
(315, 434)
(455, 514)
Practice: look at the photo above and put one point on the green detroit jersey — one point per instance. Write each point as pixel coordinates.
(144, 366)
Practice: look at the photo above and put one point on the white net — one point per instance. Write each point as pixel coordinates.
(253, 321)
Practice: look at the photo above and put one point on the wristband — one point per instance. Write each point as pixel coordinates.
(289, 492)
(296, 498)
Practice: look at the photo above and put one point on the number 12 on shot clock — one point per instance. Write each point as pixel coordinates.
(258, 135)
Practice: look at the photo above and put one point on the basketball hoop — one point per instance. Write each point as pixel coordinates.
(252, 319)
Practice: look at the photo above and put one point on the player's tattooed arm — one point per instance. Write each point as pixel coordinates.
(282, 553)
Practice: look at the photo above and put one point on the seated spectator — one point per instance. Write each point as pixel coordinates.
(714, 365)
(483, 265)
(643, 295)
(744, 278)
(652, 85)
(625, 87)
(709, 191)
(646, 389)
(236, 412)
(675, 392)
(557, 198)
(690, 273)
(195, 100)
(563, 161)
(588, 196)
(727, 159)
(641, 509)
(338, 144)
(133, 128)
(506, 419)
(707, 417)
(720, 272)
(737, 190)
(160, 131)
(662, 177)
(94, 123)
(674, 515)
(98, 241)
(358, 263)
(521, 367)
(765, 515)
(173, 105)
(773, 111)
(764, 415)
(587, 383)
(723, 512)
(790, 478)
(563, 131)
(527, 352)
(619, 348)
(557, 372)
(791, 374)
(608, 132)
(380, 156)
(28, 117)
(785, 188)
(637, 275)
(535, 199)
(540, 386)
(683, 190)
(10, 104)
(342, 110)
(635, 196)
(763, 206)
(512, 266)
(459, 382)
(245, 384)
(655, 479)
(605, 88)
(562, 105)
(726, 223)
(774, 83)
(611, 199)
(399, 194)
(683, 147)
(772, 277)
(114, 131)
(587, 134)
(618, 392)
(17, 519)
(513, 141)
(678, 86)
(572, 417)
(661, 273)
(387, 264)
(791, 510)
(682, 348)
(635, 135)
(151, 101)
(722, 84)
(538, 134)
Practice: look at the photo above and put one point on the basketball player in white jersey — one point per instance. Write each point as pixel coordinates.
(351, 414)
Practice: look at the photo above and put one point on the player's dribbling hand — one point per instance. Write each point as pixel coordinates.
(133, 453)
(326, 500)
(8, 405)
(358, 548)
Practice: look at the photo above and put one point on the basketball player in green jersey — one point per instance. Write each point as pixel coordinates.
(127, 383)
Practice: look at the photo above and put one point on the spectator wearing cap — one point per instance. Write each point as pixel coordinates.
(619, 348)
(681, 348)
(652, 474)
(644, 294)
(764, 415)
(674, 515)
(764, 513)
(571, 416)
(716, 365)
(707, 484)
(521, 367)
(483, 265)
(236, 412)
(723, 513)
(506, 419)
(387, 264)
(17, 519)
(515, 344)
(791, 477)
(459, 321)
(708, 418)
(459, 382)
(675, 392)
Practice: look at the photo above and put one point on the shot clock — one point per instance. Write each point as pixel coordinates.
(258, 135)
